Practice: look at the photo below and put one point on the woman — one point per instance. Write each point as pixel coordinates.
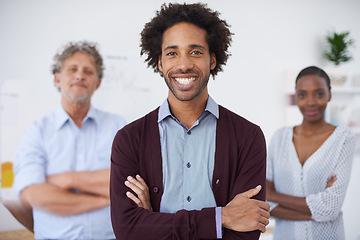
(309, 166)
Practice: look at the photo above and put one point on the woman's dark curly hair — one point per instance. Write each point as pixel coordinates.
(218, 33)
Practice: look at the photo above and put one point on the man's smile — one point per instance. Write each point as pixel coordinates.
(185, 81)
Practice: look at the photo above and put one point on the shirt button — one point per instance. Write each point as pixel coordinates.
(188, 165)
(155, 189)
(189, 133)
(217, 181)
(188, 199)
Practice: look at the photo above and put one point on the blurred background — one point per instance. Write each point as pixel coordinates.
(272, 42)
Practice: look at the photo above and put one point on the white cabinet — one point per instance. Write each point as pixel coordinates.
(344, 107)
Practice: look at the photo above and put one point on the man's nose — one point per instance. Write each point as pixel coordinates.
(80, 75)
(185, 63)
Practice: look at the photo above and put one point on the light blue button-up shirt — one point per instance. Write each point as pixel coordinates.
(188, 157)
(54, 144)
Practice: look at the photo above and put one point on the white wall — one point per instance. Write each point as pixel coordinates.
(271, 38)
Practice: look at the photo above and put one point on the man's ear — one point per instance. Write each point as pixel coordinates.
(213, 61)
(98, 83)
(329, 97)
(160, 64)
(57, 79)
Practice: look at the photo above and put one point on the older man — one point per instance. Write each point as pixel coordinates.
(62, 166)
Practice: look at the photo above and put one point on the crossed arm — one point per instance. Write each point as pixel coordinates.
(69, 193)
(241, 214)
(290, 207)
(57, 196)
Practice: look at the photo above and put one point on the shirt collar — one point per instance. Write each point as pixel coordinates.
(62, 117)
(211, 107)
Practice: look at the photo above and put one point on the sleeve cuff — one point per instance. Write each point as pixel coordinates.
(218, 222)
(272, 205)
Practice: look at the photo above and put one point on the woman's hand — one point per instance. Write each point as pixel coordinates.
(270, 191)
(331, 181)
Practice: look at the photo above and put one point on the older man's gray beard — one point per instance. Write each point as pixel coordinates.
(78, 99)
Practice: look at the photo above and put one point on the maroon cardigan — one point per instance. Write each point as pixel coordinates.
(240, 164)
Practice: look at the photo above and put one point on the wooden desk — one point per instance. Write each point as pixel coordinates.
(22, 234)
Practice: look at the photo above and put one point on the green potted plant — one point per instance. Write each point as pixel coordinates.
(338, 47)
(337, 52)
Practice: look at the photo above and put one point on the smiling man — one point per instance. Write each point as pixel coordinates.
(190, 169)
(63, 164)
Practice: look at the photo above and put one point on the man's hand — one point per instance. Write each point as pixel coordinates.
(59, 201)
(62, 180)
(244, 214)
(141, 189)
(95, 182)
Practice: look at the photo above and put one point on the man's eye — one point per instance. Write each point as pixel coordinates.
(196, 52)
(170, 54)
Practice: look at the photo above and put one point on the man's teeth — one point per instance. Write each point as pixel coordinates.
(185, 80)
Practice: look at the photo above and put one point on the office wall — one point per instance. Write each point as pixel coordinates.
(272, 38)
